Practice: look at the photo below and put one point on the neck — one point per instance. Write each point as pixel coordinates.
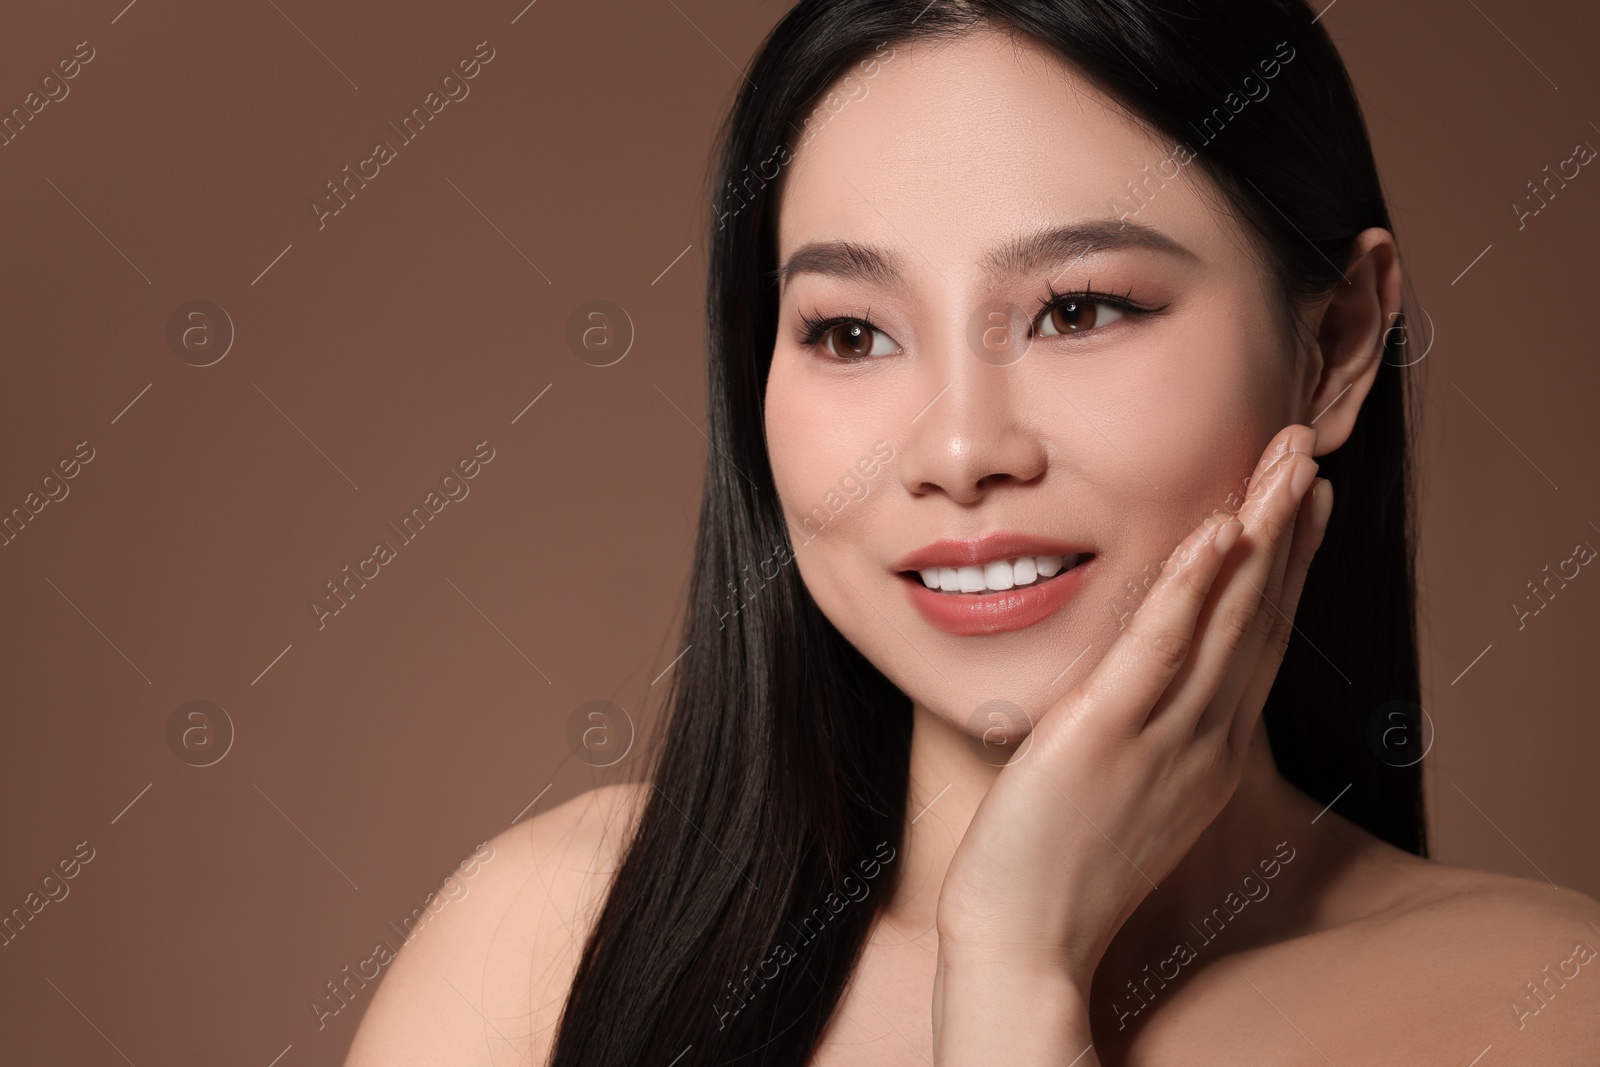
(949, 778)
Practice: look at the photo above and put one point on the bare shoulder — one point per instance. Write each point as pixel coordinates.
(1417, 961)
(483, 983)
(1461, 961)
(1502, 913)
(1510, 960)
(1519, 904)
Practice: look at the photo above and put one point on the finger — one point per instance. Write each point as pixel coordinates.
(1145, 656)
(1241, 671)
(1316, 509)
(1226, 624)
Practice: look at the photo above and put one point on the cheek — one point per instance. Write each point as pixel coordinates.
(815, 437)
(1181, 425)
(818, 435)
(1197, 411)
(794, 446)
(1199, 437)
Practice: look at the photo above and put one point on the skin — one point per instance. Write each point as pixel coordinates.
(1027, 901)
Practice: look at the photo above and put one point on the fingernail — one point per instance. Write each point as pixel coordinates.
(1322, 493)
(1227, 536)
(1301, 478)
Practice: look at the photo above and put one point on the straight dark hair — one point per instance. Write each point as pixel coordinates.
(780, 779)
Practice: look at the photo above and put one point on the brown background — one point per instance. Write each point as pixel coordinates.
(375, 752)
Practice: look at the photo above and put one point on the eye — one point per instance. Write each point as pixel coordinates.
(847, 338)
(1070, 313)
(1076, 314)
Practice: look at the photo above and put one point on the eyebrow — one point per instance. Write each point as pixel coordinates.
(1021, 255)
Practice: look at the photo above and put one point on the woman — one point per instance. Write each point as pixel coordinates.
(994, 743)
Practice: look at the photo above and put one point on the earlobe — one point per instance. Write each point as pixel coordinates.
(1356, 321)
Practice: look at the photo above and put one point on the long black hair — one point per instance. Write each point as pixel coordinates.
(778, 789)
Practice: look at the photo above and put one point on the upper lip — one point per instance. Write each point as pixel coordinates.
(990, 548)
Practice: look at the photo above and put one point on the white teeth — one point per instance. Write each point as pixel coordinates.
(996, 577)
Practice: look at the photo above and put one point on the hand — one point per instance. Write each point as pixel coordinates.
(1121, 776)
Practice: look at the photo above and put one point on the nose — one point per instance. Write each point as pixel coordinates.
(973, 436)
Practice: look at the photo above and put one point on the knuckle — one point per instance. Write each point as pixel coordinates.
(1236, 622)
(1278, 640)
(1220, 758)
(1299, 567)
(1169, 648)
(1276, 523)
(1265, 618)
(1171, 770)
(1192, 580)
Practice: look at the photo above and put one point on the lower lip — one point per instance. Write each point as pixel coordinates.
(972, 614)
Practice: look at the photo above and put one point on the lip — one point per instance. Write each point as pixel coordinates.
(971, 614)
(1005, 544)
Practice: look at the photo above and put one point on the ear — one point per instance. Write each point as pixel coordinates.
(1352, 326)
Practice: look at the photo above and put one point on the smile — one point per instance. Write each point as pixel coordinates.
(999, 576)
(997, 597)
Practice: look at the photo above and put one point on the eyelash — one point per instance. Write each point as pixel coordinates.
(815, 329)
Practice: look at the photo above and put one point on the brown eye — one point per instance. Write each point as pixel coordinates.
(1076, 314)
(854, 339)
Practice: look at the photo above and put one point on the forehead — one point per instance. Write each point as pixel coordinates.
(950, 144)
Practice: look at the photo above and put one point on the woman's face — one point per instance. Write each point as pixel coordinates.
(1099, 431)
